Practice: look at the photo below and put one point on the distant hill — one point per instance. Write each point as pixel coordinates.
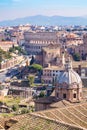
(46, 20)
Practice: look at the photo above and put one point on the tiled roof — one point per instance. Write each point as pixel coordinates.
(67, 118)
(34, 122)
(2, 123)
(74, 115)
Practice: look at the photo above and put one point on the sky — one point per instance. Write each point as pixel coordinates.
(12, 9)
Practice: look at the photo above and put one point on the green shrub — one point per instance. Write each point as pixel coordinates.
(15, 107)
(42, 94)
(76, 57)
(24, 110)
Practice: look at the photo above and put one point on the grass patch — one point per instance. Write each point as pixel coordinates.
(9, 100)
(7, 114)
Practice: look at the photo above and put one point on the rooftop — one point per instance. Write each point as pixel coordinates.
(74, 64)
(35, 122)
(82, 63)
(54, 68)
(74, 115)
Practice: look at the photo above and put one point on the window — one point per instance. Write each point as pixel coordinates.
(64, 95)
(80, 94)
(74, 95)
(57, 95)
(49, 81)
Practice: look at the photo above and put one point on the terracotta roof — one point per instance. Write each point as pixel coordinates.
(74, 115)
(82, 63)
(35, 122)
(54, 68)
(2, 122)
(6, 43)
(66, 118)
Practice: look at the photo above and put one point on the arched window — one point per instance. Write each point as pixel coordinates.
(64, 95)
(74, 95)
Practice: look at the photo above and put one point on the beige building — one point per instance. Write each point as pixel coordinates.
(52, 54)
(73, 39)
(81, 49)
(6, 45)
(24, 27)
(11, 62)
(50, 73)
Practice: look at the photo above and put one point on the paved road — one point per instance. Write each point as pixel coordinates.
(3, 76)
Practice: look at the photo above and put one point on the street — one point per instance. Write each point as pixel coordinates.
(13, 71)
(3, 76)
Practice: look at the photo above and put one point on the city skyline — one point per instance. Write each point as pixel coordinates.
(12, 9)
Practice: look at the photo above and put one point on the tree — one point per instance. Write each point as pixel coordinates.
(3, 39)
(1, 87)
(24, 110)
(31, 79)
(42, 94)
(15, 107)
(16, 49)
(36, 67)
(42, 81)
(4, 55)
(11, 49)
(76, 57)
(0, 58)
(32, 60)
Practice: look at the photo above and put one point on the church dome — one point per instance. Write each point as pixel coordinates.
(69, 84)
(69, 76)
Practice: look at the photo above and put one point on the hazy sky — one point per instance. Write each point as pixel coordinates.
(11, 9)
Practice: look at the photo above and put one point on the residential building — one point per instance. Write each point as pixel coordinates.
(51, 73)
(6, 45)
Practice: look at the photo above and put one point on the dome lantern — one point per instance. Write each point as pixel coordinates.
(68, 64)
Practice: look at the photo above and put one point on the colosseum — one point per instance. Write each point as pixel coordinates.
(35, 41)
